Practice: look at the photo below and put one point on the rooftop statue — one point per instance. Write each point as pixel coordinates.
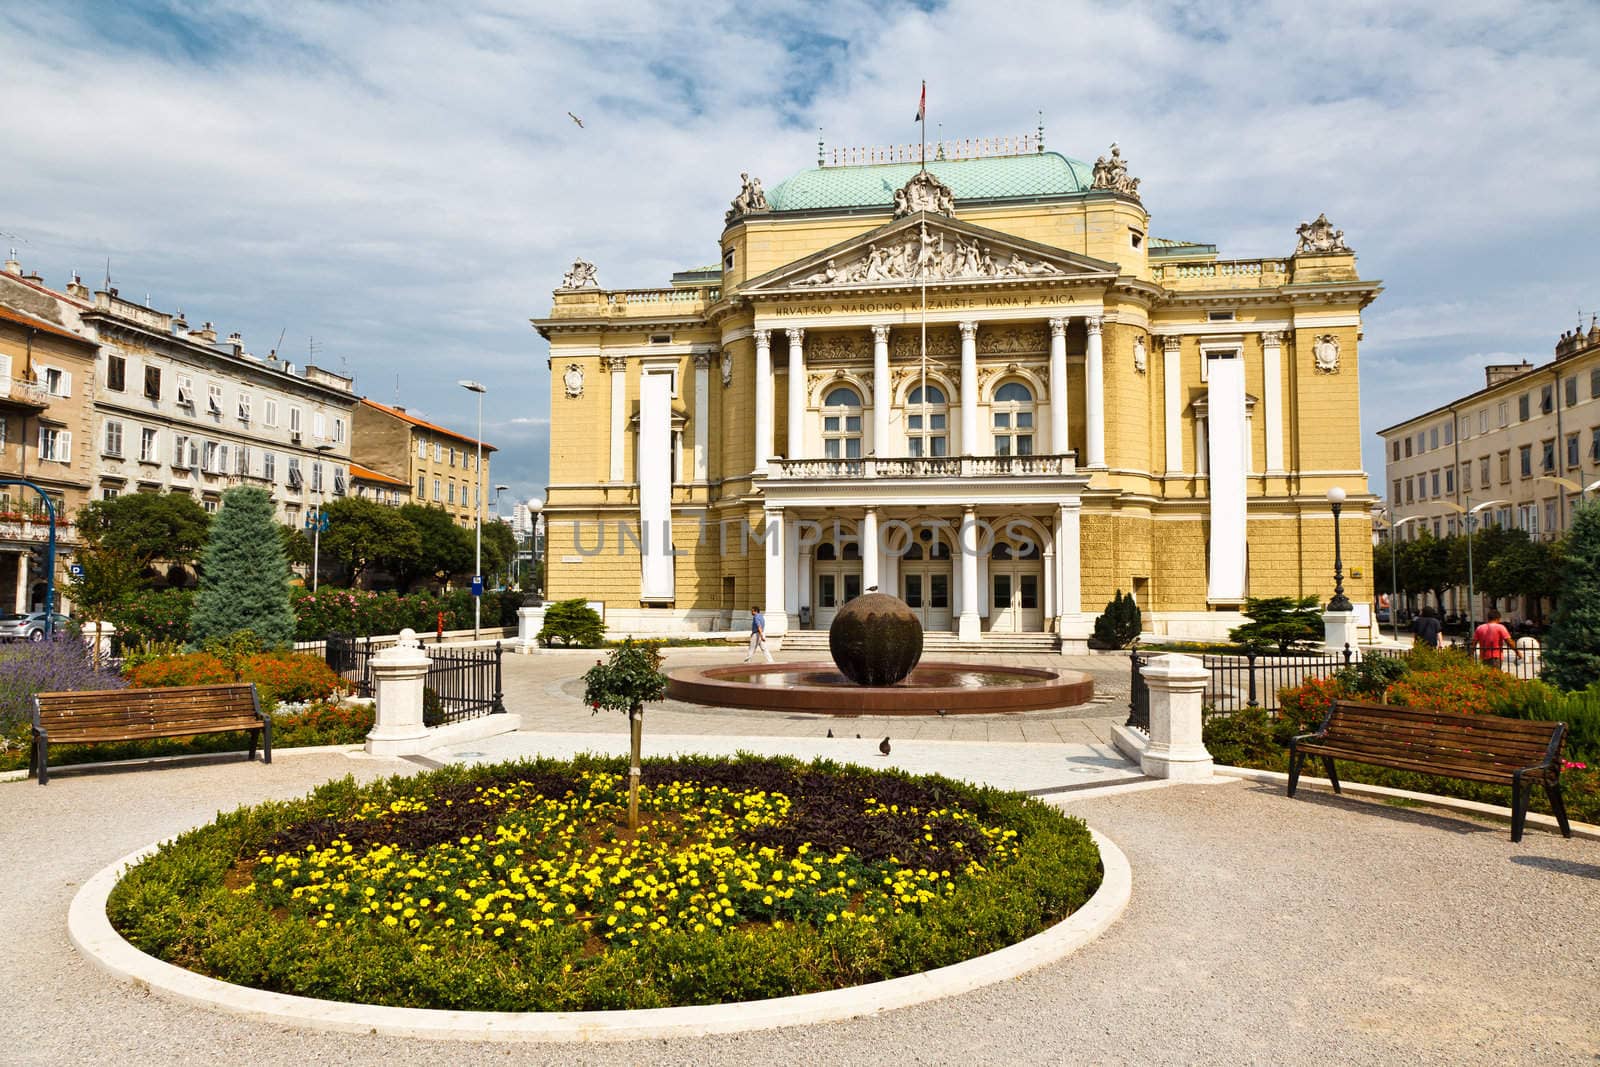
(1320, 236)
(752, 199)
(924, 192)
(1112, 174)
(581, 276)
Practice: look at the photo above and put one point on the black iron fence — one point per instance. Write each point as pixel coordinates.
(462, 683)
(350, 658)
(1525, 661)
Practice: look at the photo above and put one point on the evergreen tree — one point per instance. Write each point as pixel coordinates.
(244, 581)
(1572, 648)
(1119, 626)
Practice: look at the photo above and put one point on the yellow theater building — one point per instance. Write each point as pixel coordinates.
(982, 385)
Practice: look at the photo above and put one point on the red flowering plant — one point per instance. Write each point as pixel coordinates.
(278, 676)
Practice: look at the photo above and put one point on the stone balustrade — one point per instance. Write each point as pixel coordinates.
(922, 467)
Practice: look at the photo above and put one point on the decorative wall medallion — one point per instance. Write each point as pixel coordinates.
(573, 381)
(1139, 359)
(1325, 350)
(1320, 236)
(581, 276)
(924, 192)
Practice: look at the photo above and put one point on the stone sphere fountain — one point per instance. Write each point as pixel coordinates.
(876, 642)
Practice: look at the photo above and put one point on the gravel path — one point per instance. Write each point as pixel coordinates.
(1262, 930)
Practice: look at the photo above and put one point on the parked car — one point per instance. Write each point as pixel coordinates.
(28, 627)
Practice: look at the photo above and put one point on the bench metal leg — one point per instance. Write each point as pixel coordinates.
(266, 741)
(1519, 808)
(251, 757)
(41, 758)
(1333, 776)
(1295, 757)
(1558, 805)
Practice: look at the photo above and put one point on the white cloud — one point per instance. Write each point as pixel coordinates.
(408, 188)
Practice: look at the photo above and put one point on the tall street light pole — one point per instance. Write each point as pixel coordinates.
(1394, 572)
(1470, 521)
(477, 518)
(1340, 602)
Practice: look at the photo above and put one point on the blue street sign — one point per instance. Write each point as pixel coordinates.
(76, 570)
(477, 585)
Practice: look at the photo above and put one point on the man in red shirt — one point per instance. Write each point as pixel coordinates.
(1492, 641)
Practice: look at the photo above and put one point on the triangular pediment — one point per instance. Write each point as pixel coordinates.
(925, 247)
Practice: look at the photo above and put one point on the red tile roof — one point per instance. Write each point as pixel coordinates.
(413, 420)
(43, 327)
(367, 474)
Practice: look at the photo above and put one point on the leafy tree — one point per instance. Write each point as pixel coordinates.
(1522, 567)
(1572, 647)
(362, 533)
(1119, 626)
(625, 682)
(1430, 565)
(446, 548)
(106, 579)
(1279, 620)
(296, 545)
(499, 547)
(572, 623)
(244, 582)
(147, 526)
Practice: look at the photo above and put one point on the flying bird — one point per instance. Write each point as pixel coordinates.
(576, 119)
(883, 746)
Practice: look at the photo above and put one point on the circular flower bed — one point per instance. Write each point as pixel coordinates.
(517, 887)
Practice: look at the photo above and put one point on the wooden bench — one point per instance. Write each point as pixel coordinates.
(93, 716)
(1477, 748)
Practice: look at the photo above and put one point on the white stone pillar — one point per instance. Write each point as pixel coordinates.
(970, 627)
(869, 549)
(1272, 397)
(1172, 373)
(1058, 386)
(22, 583)
(1225, 431)
(797, 395)
(776, 556)
(398, 674)
(530, 620)
(1094, 387)
(1339, 630)
(969, 389)
(618, 366)
(702, 416)
(1177, 689)
(1069, 561)
(1050, 581)
(98, 637)
(763, 445)
(882, 392)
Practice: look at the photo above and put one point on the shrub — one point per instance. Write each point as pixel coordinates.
(57, 666)
(1303, 708)
(1242, 739)
(322, 723)
(289, 676)
(1372, 675)
(1279, 620)
(363, 613)
(1120, 624)
(1572, 647)
(572, 623)
(1580, 711)
(154, 615)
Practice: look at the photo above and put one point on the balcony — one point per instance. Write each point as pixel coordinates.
(1223, 274)
(17, 392)
(922, 467)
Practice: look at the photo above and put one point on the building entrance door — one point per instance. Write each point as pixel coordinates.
(836, 576)
(1016, 575)
(925, 583)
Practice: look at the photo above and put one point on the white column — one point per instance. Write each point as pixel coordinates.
(22, 583)
(1177, 688)
(773, 547)
(882, 392)
(797, 395)
(1050, 589)
(1058, 386)
(1225, 430)
(970, 628)
(788, 607)
(657, 580)
(763, 445)
(618, 366)
(1172, 372)
(1094, 386)
(1069, 561)
(398, 674)
(969, 389)
(702, 416)
(1272, 397)
(869, 549)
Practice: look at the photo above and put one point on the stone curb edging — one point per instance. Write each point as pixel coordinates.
(95, 938)
(1587, 831)
(21, 774)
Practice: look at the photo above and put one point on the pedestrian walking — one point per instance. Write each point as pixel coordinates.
(1426, 627)
(758, 635)
(1491, 641)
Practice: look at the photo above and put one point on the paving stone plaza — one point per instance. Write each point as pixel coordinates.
(1462, 948)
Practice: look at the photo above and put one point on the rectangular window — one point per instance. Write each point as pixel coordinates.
(1505, 466)
(55, 444)
(452, 457)
(1594, 384)
(294, 420)
(1483, 472)
(114, 438)
(438, 452)
(1396, 450)
(1525, 458)
(1502, 413)
(1411, 491)
(1450, 431)
(1422, 441)
(422, 449)
(1549, 514)
(1594, 446)
(338, 481)
(214, 399)
(1434, 482)
(422, 487)
(1523, 402)
(1466, 476)
(293, 472)
(269, 412)
(241, 460)
(149, 445)
(1547, 399)
(244, 407)
(180, 451)
(185, 391)
(208, 457)
(108, 493)
(338, 430)
(1219, 316)
(1483, 421)
(1397, 490)
(116, 373)
(437, 491)
(1433, 438)
(1571, 390)
(319, 426)
(269, 466)
(1574, 450)
(210, 506)
(1450, 481)
(1408, 446)
(1547, 456)
(316, 477)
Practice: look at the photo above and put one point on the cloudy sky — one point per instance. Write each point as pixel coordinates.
(401, 182)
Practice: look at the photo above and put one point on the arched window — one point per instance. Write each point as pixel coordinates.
(841, 424)
(1012, 412)
(926, 420)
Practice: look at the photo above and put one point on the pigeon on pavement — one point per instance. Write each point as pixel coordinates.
(883, 746)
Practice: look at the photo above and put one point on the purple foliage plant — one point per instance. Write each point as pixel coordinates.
(55, 666)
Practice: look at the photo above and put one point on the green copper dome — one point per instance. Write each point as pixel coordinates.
(989, 178)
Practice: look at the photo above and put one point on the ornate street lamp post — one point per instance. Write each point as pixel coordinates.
(1340, 602)
(477, 517)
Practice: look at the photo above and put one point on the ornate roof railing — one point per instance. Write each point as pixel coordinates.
(921, 467)
(1027, 144)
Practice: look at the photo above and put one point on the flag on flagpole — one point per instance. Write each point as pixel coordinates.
(922, 104)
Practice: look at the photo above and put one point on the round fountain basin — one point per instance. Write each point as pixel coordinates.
(931, 688)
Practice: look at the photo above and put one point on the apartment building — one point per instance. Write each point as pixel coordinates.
(438, 465)
(1524, 448)
(46, 428)
(380, 488)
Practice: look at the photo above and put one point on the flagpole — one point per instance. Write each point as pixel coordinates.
(924, 110)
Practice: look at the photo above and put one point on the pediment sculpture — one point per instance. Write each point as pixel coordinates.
(1320, 236)
(922, 255)
(924, 192)
(1325, 350)
(1112, 174)
(581, 276)
(752, 199)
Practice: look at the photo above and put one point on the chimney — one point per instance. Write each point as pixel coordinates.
(33, 276)
(179, 322)
(205, 334)
(237, 341)
(76, 288)
(12, 266)
(1495, 373)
